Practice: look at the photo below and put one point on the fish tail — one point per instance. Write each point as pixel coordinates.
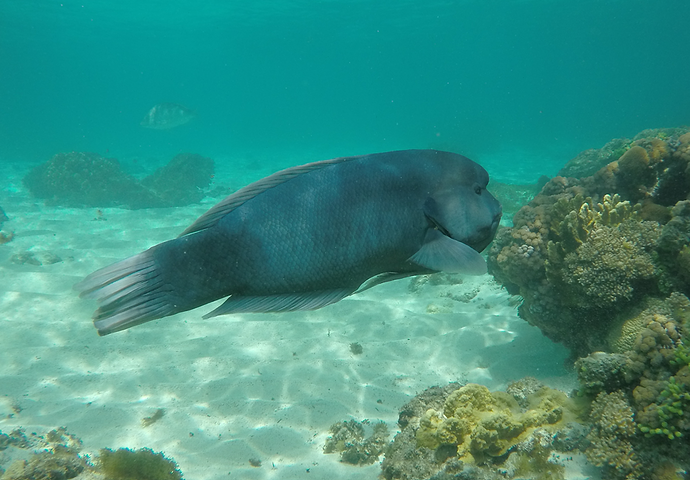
(130, 292)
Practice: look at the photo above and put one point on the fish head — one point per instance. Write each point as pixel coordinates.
(466, 211)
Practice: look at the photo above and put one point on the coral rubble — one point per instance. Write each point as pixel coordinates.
(348, 439)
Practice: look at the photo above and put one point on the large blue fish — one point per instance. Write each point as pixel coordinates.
(309, 236)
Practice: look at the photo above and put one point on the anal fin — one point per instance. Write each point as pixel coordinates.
(287, 302)
(383, 278)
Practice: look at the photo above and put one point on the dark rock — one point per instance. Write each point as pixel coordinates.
(80, 179)
(182, 181)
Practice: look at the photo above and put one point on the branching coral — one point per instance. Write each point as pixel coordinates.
(598, 254)
(673, 408)
(612, 429)
(668, 412)
(576, 225)
(657, 369)
(610, 274)
(580, 216)
(521, 260)
(519, 254)
(582, 258)
(605, 268)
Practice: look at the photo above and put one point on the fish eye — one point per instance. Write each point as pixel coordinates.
(477, 189)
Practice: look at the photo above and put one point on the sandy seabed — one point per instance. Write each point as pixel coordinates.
(260, 386)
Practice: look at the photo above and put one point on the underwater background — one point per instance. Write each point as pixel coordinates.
(539, 80)
(578, 337)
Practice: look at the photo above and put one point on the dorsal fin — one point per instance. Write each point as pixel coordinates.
(231, 202)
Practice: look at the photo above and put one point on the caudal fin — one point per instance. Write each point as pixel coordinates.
(130, 292)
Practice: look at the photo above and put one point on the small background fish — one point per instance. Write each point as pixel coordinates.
(165, 116)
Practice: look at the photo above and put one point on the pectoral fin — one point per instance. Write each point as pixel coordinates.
(443, 254)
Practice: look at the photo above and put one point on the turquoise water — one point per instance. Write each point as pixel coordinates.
(540, 80)
(521, 86)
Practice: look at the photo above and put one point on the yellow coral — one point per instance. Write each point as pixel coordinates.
(483, 424)
(584, 217)
(612, 212)
(429, 425)
(471, 397)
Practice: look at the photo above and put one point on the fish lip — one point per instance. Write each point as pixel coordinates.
(479, 245)
(490, 230)
(485, 240)
(497, 220)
